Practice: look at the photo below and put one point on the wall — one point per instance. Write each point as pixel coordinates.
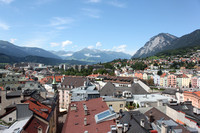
(11, 115)
(180, 117)
(116, 105)
(6, 102)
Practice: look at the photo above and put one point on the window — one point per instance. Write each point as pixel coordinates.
(10, 118)
(121, 105)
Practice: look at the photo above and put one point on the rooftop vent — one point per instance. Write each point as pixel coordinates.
(125, 127)
(73, 107)
(85, 109)
(173, 103)
(113, 129)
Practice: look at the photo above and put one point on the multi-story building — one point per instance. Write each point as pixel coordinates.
(192, 96)
(156, 79)
(194, 82)
(163, 80)
(69, 83)
(171, 80)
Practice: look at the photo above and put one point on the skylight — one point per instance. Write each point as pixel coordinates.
(105, 115)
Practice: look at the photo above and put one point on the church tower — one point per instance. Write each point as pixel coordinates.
(54, 84)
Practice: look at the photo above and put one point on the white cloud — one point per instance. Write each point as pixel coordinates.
(90, 47)
(60, 21)
(89, 55)
(4, 26)
(94, 1)
(117, 4)
(120, 48)
(93, 13)
(54, 44)
(98, 44)
(65, 43)
(68, 54)
(6, 1)
(12, 40)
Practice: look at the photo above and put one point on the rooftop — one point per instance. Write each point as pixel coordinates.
(133, 118)
(39, 108)
(158, 115)
(17, 126)
(34, 124)
(75, 118)
(197, 93)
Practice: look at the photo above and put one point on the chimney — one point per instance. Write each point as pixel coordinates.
(85, 121)
(85, 109)
(164, 128)
(142, 122)
(151, 119)
(113, 129)
(73, 107)
(125, 127)
(159, 103)
(117, 121)
(119, 128)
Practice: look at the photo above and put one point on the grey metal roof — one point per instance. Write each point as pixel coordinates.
(14, 93)
(109, 89)
(133, 119)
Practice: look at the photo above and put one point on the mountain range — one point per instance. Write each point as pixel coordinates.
(166, 41)
(92, 55)
(11, 53)
(10, 49)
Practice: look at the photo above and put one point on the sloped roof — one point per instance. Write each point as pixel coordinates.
(133, 119)
(137, 89)
(107, 90)
(75, 81)
(33, 125)
(158, 115)
(75, 119)
(38, 108)
(194, 93)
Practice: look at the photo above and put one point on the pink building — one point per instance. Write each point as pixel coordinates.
(192, 96)
(171, 80)
(194, 82)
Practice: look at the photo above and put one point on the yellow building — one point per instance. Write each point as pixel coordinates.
(115, 103)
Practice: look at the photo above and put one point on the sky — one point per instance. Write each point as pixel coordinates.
(118, 25)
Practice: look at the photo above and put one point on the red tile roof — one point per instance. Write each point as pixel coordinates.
(38, 108)
(1, 88)
(75, 119)
(163, 75)
(34, 124)
(46, 79)
(93, 75)
(195, 93)
(185, 76)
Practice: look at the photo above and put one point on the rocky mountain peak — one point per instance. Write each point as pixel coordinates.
(155, 44)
